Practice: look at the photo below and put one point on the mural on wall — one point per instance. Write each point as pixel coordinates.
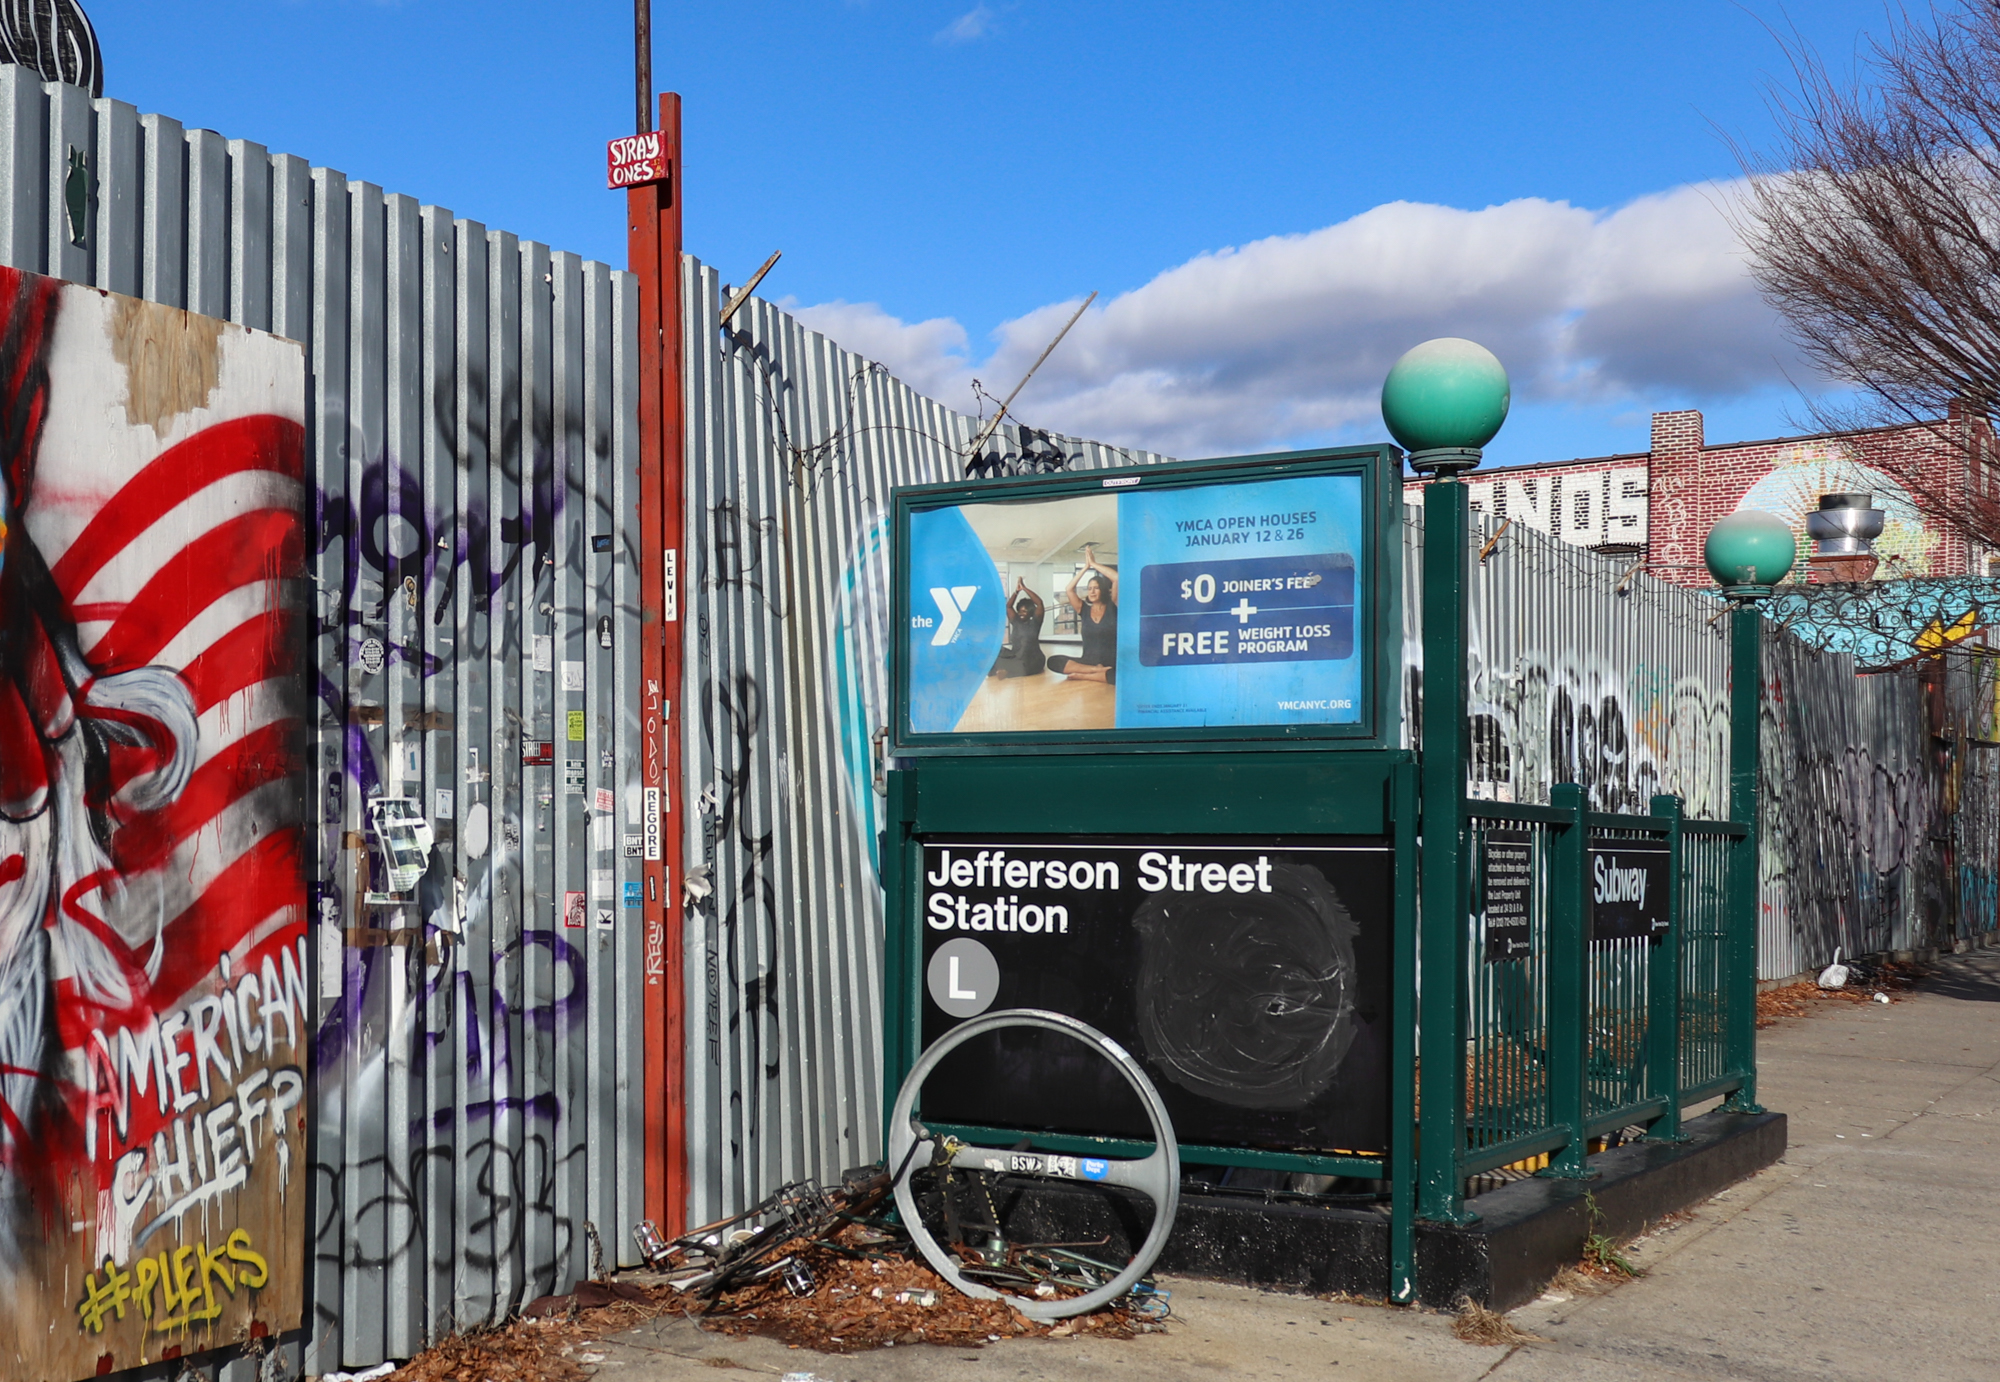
(1802, 472)
(153, 990)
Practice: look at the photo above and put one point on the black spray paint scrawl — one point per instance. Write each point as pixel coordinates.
(1248, 999)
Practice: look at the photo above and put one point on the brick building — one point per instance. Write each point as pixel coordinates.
(1658, 505)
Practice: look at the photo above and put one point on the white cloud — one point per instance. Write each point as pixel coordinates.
(929, 356)
(1288, 338)
(975, 24)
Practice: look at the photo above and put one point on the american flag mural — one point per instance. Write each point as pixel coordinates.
(154, 1004)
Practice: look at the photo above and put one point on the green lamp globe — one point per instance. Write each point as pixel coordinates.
(1443, 401)
(1749, 552)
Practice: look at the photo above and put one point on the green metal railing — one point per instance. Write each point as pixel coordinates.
(1507, 1084)
(1704, 946)
(1576, 1037)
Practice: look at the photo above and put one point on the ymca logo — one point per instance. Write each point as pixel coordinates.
(952, 604)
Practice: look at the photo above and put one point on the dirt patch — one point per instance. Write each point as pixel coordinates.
(860, 1303)
(550, 1350)
(857, 1302)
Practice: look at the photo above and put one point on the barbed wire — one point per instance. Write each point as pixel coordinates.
(810, 461)
(1574, 570)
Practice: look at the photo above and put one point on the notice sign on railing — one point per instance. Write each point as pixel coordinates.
(1628, 889)
(1508, 858)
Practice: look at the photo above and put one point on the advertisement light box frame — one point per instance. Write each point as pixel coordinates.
(1376, 594)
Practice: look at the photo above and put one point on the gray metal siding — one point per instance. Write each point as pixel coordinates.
(793, 445)
(1881, 807)
(1584, 670)
(472, 424)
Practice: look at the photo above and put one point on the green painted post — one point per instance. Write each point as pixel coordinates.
(899, 942)
(1443, 920)
(1568, 966)
(1746, 684)
(1403, 1044)
(1663, 990)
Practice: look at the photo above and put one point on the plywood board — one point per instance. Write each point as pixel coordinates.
(154, 1002)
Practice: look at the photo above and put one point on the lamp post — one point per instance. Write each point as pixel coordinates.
(1443, 401)
(1748, 553)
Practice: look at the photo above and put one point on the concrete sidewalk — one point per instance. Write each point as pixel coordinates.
(1871, 1251)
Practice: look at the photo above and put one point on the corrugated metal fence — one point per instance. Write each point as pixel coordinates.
(472, 427)
(1881, 803)
(793, 447)
(1881, 797)
(1584, 669)
(1581, 669)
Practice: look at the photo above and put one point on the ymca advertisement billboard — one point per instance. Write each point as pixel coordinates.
(1153, 604)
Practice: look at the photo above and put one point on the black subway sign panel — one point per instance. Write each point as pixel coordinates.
(1249, 977)
(1629, 889)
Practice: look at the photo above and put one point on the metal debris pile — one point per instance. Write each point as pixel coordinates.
(863, 1297)
(824, 1269)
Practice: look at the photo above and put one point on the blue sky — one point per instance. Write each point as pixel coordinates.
(1273, 199)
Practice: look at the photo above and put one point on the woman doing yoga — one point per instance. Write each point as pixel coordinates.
(1022, 655)
(1097, 611)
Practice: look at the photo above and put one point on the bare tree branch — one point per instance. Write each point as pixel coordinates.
(1874, 229)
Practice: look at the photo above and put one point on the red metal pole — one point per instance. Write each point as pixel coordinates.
(654, 248)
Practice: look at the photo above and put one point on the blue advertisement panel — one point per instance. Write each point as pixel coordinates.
(1246, 609)
(1191, 606)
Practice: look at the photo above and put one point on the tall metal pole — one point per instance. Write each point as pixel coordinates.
(1746, 686)
(1663, 986)
(1568, 967)
(642, 55)
(1405, 793)
(653, 229)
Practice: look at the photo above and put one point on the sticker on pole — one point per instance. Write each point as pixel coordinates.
(636, 160)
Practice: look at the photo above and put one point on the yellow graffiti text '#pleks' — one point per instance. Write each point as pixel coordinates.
(172, 1289)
